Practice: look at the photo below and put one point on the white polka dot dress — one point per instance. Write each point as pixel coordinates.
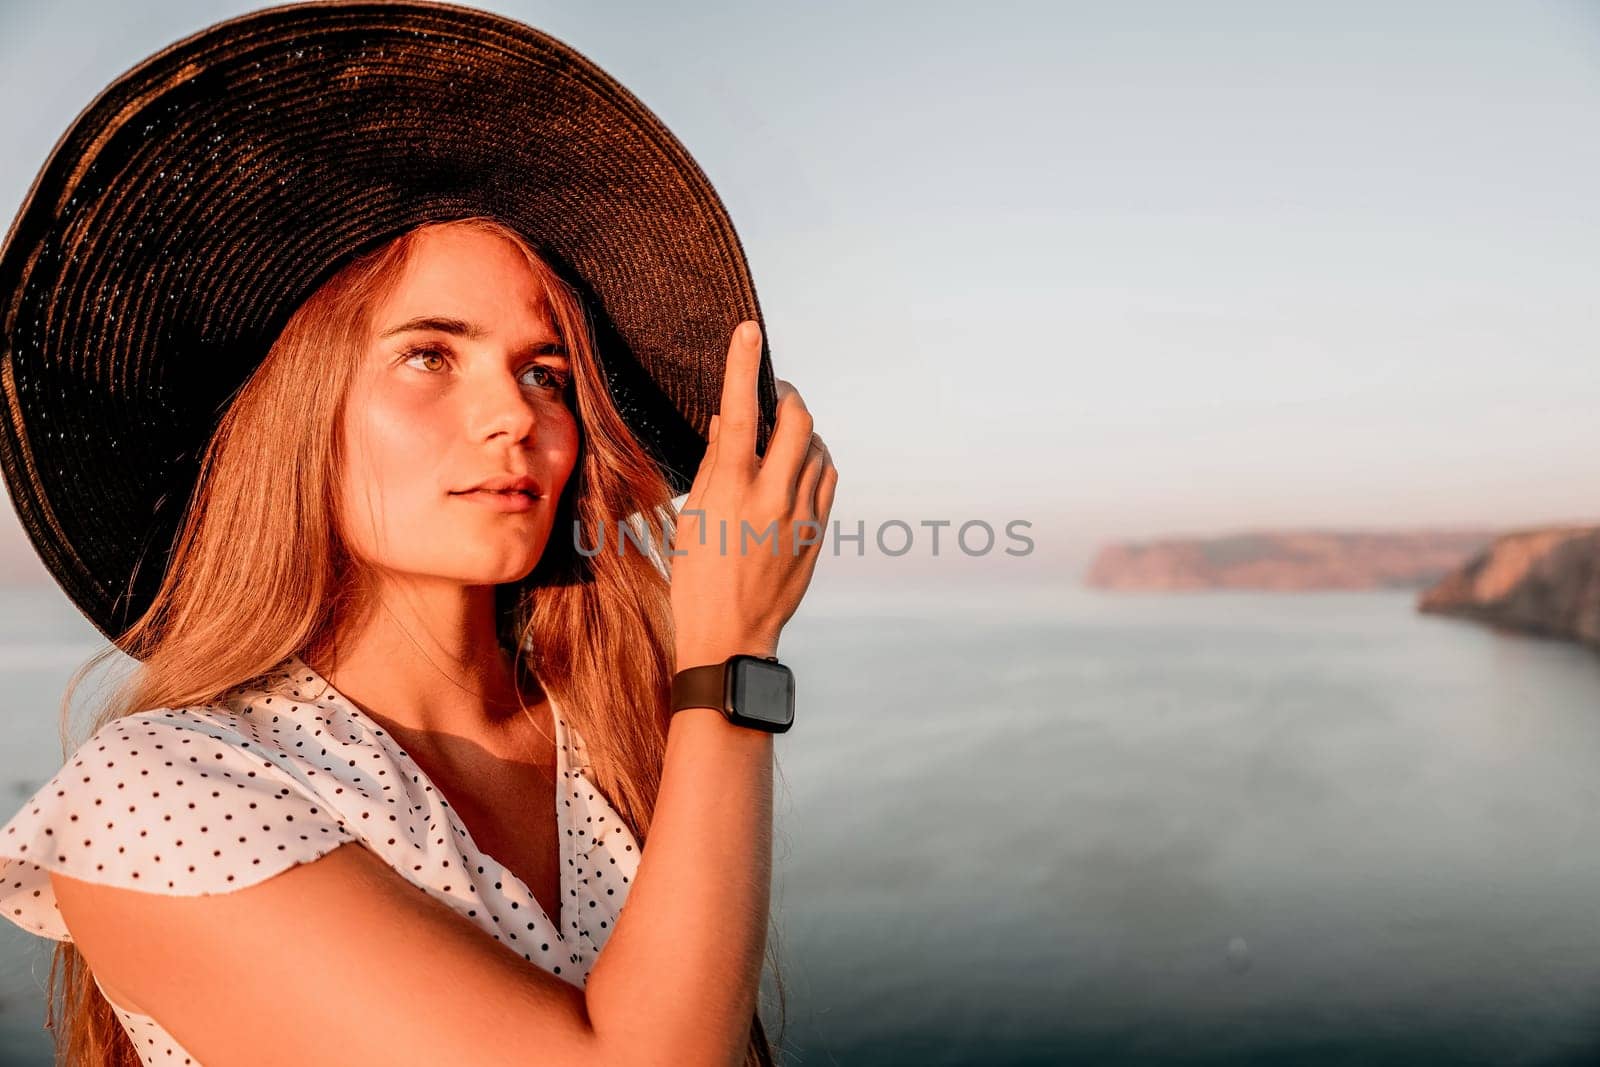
(214, 798)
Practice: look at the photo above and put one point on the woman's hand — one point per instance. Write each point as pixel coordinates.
(751, 528)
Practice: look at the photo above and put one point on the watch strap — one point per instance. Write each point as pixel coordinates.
(701, 687)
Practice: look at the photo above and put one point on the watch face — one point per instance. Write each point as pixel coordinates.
(762, 692)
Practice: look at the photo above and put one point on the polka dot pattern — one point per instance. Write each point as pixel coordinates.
(155, 1045)
(278, 772)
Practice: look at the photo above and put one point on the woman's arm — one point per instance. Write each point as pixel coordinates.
(684, 961)
(336, 961)
(682, 967)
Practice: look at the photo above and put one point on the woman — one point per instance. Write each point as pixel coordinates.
(384, 652)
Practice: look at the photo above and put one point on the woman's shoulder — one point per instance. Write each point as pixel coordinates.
(258, 727)
(184, 801)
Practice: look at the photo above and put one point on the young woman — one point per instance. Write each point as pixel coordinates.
(381, 788)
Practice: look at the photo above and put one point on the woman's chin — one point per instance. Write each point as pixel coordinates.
(491, 570)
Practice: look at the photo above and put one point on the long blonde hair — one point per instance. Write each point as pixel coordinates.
(259, 571)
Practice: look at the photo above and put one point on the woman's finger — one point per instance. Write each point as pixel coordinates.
(737, 426)
(830, 482)
(791, 437)
(805, 492)
(825, 487)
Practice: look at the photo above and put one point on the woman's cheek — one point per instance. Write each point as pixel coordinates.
(565, 453)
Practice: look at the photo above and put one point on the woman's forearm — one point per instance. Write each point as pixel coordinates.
(678, 980)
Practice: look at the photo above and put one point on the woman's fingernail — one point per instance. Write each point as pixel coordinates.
(752, 332)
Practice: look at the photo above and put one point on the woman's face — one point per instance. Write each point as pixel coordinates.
(463, 382)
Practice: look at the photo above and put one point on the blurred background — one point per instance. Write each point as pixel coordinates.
(1270, 329)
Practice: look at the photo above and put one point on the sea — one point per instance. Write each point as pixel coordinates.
(1044, 824)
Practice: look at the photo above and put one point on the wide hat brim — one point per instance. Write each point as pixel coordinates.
(203, 195)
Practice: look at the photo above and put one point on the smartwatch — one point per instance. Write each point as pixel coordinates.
(752, 691)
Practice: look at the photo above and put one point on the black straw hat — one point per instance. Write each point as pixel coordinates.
(203, 195)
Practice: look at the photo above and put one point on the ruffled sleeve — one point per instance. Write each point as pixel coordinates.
(166, 801)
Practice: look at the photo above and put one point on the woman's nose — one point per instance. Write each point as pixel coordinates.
(503, 408)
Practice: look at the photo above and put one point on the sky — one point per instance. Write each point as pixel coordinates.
(1121, 271)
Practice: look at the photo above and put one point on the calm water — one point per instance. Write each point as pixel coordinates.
(1061, 826)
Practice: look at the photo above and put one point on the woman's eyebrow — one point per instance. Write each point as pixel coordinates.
(470, 330)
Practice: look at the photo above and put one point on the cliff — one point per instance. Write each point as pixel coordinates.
(1544, 581)
(1288, 560)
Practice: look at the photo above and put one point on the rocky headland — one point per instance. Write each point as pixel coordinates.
(1294, 560)
(1543, 581)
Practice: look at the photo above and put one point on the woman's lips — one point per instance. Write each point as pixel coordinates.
(499, 501)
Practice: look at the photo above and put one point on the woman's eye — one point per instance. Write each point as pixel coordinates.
(421, 353)
(550, 378)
